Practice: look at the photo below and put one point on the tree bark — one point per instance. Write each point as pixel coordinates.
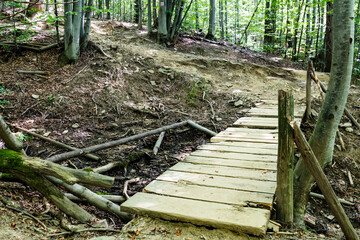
(23, 163)
(328, 36)
(211, 31)
(323, 138)
(162, 30)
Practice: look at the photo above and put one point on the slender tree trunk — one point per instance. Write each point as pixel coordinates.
(211, 31)
(226, 21)
(301, 32)
(85, 37)
(328, 36)
(149, 17)
(307, 33)
(162, 31)
(197, 14)
(323, 138)
(296, 27)
(154, 13)
(107, 3)
(287, 37)
(136, 11)
(221, 18)
(140, 15)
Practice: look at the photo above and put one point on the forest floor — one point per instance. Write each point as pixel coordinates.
(138, 87)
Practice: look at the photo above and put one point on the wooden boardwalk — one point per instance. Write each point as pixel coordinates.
(228, 183)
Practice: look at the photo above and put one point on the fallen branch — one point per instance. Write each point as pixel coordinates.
(34, 72)
(158, 143)
(90, 156)
(134, 180)
(320, 196)
(85, 230)
(112, 198)
(98, 147)
(346, 111)
(94, 199)
(13, 161)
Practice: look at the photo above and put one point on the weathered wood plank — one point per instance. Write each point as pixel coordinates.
(270, 112)
(240, 156)
(236, 139)
(247, 135)
(264, 175)
(231, 163)
(248, 145)
(235, 156)
(210, 194)
(219, 181)
(252, 130)
(241, 219)
(256, 151)
(259, 122)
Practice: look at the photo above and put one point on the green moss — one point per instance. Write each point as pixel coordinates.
(10, 158)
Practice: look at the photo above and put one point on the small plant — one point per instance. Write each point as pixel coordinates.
(200, 86)
(4, 102)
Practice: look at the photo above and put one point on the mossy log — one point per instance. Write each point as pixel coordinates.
(11, 160)
(13, 163)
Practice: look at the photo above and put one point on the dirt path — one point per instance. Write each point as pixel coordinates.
(225, 75)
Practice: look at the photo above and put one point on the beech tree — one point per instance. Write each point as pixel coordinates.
(211, 32)
(76, 35)
(323, 138)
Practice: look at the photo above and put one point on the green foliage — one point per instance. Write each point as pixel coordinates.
(200, 86)
(3, 93)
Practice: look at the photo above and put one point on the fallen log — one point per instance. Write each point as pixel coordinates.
(94, 199)
(11, 160)
(87, 150)
(90, 156)
(113, 198)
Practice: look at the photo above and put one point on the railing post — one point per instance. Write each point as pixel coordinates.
(285, 161)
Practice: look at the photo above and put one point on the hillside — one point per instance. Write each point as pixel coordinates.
(137, 86)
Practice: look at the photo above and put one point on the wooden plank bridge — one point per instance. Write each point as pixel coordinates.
(228, 183)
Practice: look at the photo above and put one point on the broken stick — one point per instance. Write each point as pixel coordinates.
(158, 143)
(90, 156)
(102, 146)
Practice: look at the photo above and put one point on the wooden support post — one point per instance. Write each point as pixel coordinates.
(314, 167)
(307, 113)
(285, 162)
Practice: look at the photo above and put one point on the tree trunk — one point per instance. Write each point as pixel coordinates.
(155, 22)
(85, 37)
(149, 17)
(197, 14)
(296, 27)
(140, 15)
(107, 2)
(221, 18)
(211, 31)
(136, 11)
(323, 138)
(328, 36)
(307, 31)
(162, 31)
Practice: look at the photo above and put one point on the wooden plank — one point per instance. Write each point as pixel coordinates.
(247, 135)
(249, 145)
(252, 130)
(264, 175)
(250, 185)
(240, 219)
(239, 156)
(270, 112)
(222, 148)
(231, 163)
(237, 139)
(210, 194)
(259, 122)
